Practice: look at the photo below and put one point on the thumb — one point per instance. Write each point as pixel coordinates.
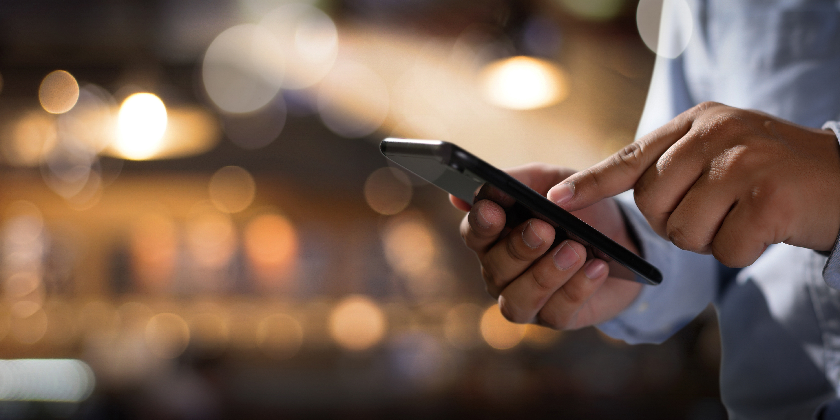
(619, 172)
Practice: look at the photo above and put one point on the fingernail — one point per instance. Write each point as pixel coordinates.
(594, 269)
(480, 219)
(530, 237)
(562, 193)
(565, 257)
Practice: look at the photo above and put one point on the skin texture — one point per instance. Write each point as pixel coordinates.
(716, 180)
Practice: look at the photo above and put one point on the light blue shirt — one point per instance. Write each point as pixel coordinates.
(780, 317)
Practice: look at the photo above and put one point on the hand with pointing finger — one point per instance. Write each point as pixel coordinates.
(724, 181)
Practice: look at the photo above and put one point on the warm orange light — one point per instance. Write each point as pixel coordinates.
(357, 323)
(271, 244)
(498, 332)
(523, 83)
(541, 337)
(59, 92)
(154, 251)
(410, 246)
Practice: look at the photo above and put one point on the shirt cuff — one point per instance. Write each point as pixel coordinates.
(688, 285)
(831, 270)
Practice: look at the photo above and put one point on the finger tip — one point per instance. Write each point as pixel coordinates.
(459, 204)
(596, 269)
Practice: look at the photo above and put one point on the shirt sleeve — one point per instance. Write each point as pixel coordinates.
(831, 270)
(689, 284)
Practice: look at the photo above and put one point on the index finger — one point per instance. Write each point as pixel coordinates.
(619, 172)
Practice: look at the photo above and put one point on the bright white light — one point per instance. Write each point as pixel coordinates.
(140, 126)
(243, 68)
(58, 380)
(310, 39)
(353, 100)
(523, 83)
(665, 26)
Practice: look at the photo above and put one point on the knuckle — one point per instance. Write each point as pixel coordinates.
(630, 157)
(542, 280)
(549, 318)
(733, 257)
(684, 240)
(490, 278)
(702, 106)
(510, 312)
(514, 251)
(574, 295)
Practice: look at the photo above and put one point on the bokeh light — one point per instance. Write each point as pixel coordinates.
(167, 335)
(357, 323)
(541, 337)
(309, 38)
(232, 189)
(92, 122)
(593, 10)
(271, 245)
(24, 286)
(33, 136)
(410, 246)
(256, 129)
(141, 125)
(353, 100)
(524, 83)
(498, 332)
(54, 380)
(388, 190)
(154, 251)
(190, 130)
(211, 239)
(243, 68)
(461, 326)
(653, 15)
(58, 92)
(279, 336)
(70, 169)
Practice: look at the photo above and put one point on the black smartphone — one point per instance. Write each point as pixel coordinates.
(469, 178)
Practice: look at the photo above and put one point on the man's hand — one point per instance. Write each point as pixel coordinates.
(555, 287)
(724, 181)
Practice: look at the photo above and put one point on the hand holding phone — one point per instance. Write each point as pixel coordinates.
(464, 175)
(536, 276)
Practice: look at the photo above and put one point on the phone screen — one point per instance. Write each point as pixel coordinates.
(467, 177)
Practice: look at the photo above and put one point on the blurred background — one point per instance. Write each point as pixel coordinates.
(196, 221)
